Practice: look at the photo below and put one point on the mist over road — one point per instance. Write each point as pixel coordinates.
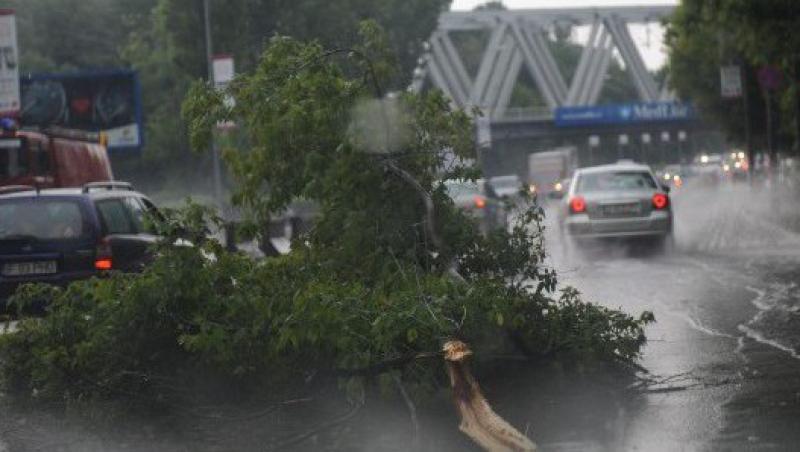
(722, 360)
(724, 355)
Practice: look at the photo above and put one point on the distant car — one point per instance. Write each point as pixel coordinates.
(471, 198)
(622, 200)
(548, 169)
(736, 167)
(672, 176)
(708, 170)
(61, 235)
(506, 187)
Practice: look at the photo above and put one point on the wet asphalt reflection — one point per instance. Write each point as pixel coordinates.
(723, 359)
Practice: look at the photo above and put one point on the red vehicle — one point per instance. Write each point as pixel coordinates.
(53, 158)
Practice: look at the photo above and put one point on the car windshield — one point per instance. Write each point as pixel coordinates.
(41, 219)
(461, 189)
(615, 181)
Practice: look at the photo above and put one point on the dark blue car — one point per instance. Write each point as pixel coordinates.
(61, 235)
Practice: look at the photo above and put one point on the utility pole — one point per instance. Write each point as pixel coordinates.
(748, 134)
(210, 62)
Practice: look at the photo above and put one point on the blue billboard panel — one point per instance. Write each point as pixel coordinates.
(106, 101)
(621, 114)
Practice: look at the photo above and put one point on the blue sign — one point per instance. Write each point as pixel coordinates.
(621, 114)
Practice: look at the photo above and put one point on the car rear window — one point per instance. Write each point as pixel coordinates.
(42, 219)
(615, 181)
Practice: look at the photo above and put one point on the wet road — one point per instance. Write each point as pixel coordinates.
(723, 359)
(724, 355)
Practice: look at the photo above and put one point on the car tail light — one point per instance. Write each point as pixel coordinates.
(577, 205)
(480, 202)
(660, 201)
(102, 259)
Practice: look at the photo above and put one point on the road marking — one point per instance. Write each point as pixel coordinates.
(761, 339)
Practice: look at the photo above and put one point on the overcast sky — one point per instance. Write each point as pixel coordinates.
(648, 38)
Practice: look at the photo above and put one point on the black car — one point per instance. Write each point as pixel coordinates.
(61, 235)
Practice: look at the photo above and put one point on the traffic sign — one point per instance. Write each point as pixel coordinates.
(730, 82)
(770, 78)
(222, 66)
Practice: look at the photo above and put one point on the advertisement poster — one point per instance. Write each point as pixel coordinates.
(9, 67)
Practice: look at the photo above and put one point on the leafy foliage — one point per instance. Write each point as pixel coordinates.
(372, 283)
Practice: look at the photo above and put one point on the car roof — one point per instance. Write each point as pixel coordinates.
(619, 166)
(76, 192)
(507, 177)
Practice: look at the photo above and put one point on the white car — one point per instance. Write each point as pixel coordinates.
(622, 200)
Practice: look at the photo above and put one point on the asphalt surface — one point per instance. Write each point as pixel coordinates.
(723, 359)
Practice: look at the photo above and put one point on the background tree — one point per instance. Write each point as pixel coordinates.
(703, 35)
(391, 269)
(163, 40)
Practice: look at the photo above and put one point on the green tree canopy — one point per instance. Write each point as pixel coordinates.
(163, 40)
(703, 35)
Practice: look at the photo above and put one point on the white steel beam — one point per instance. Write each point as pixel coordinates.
(488, 64)
(587, 56)
(473, 20)
(535, 66)
(538, 42)
(446, 67)
(633, 60)
(598, 77)
(495, 84)
(509, 81)
(458, 66)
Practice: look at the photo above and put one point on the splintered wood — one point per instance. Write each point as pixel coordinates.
(478, 420)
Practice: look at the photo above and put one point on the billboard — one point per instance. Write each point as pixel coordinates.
(622, 114)
(9, 64)
(106, 101)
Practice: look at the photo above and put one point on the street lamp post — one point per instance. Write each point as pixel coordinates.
(217, 167)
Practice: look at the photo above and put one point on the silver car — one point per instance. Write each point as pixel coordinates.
(471, 198)
(621, 200)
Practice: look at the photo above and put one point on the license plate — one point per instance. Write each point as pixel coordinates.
(29, 268)
(622, 209)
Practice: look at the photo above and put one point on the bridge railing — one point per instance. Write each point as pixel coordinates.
(526, 114)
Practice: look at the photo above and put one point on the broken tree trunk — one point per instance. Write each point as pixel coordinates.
(478, 420)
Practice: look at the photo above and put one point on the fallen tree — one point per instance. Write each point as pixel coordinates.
(390, 271)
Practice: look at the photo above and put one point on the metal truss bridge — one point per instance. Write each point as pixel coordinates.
(518, 40)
